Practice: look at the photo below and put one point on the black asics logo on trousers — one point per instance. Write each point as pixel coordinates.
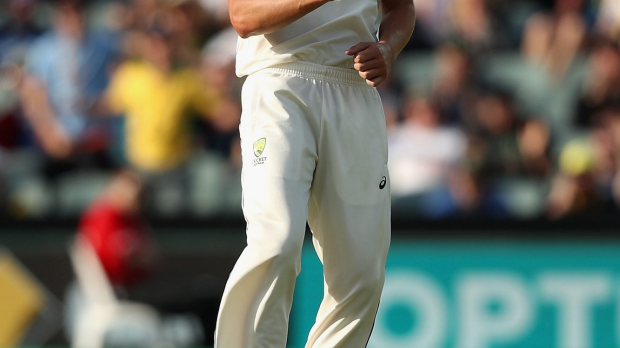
(382, 183)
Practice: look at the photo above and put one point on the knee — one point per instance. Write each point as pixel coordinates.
(281, 251)
(363, 284)
(370, 282)
(288, 252)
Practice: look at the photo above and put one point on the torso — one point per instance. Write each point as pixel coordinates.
(320, 37)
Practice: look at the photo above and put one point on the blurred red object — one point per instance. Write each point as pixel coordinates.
(117, 232)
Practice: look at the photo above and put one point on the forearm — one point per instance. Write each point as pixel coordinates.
(37, 110)
(397, 24)
(255, 17)
(41, 117)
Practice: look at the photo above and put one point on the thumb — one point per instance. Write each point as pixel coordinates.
(357, 48)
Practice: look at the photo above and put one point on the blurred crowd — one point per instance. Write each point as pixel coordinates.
(90, 87)
(513, 112)
(496, 109)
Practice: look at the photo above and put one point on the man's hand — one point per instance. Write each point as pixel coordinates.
(373, 61)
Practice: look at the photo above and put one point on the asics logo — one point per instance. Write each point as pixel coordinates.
(382, 183)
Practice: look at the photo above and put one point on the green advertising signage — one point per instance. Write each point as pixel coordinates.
(485, 295)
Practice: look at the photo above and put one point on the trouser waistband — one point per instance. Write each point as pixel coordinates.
(320, 72)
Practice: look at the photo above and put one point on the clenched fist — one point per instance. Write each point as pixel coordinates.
(373, 61)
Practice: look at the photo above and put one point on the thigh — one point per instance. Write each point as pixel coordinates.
(350, 196)
(279, 151)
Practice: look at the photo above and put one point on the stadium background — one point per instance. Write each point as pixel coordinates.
(504, 131)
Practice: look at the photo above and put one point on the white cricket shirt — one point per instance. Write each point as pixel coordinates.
(320, 37)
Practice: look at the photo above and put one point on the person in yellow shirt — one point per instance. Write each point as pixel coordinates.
(157, 98)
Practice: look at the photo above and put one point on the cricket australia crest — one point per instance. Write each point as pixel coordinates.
(259, 147)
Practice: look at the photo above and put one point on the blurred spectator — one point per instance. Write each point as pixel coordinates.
(432, 24)
(608, 22)
(501, 145)
(20, 29)
(534, 139)
(571, 196)
(422, 150)
(587, 182)
(121, 239)
(141, 12)
(496, 139)
(467, 22)
(67, 71)
(602, 84)
(472, 24)
(218, 70)
(573, 190)
(467, 195)
(218, 62)
(115, 229)
(553, 40)
(157, 94)
(453, 84)
(605, 138)
(16, 35)
(192, 27)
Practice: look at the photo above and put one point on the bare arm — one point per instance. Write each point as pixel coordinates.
(41, 117)
(397, 24)
(374, 60)
(256, 17)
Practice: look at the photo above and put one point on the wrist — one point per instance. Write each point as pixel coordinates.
(388, 51)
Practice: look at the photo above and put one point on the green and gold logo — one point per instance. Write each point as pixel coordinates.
(259, 146)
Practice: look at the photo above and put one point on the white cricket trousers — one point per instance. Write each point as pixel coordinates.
(314, 149)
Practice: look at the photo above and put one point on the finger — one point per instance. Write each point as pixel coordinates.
(357, 48)
(366, 55)
(376, 81)
(371, 64)
(371, 74)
